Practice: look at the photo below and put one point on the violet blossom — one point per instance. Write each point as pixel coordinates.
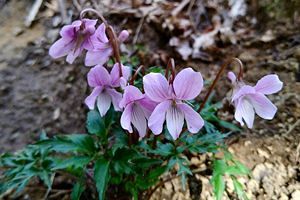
(74, 38)
(105, 87)
(137, 109)
(249, 100)
(171, 101)
(101, 50)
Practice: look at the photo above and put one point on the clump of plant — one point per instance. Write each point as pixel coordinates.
(140, 125)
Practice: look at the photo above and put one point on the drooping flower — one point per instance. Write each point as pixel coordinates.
(137, 109)
(170, 98)
(101, 50)
(249, 100)
(105, 85)
(74, 38)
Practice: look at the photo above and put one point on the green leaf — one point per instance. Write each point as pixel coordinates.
(77, 190)
(101, 176)
(218, 179)
(76, 161)
(238, 188)
(219, 186)
(81, 143)
(95, 124)
(120, 140)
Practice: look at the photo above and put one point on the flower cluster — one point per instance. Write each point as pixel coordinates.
(165, 99)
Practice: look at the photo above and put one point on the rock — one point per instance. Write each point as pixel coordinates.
(253, 186)
(296, 195)
(263, 153)
(259, 172)
(195, 161)
(283, 197)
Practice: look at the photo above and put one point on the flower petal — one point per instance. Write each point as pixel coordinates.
(193, 119)
(244, 90)
(139, 120)
(91, 99)
(157, 118)
(131, 93)
(244, 110)
(263, 106)
(68, 32)
(188, 84)
(97, 57)
(148, 105)
(116, 98)
(123, 35)
(115, 74)
(269, 84)
(98, 76)
(100, 34)
(73, 54)
(175, 121)
(103, 103)
(61, 48)
(231, 77)
(127, 117)
(156, 87)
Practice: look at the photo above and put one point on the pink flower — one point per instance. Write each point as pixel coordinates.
(101, 49)
(138, 108)
(74, 38)
(105, 84)
(249, 100)
(172, 108)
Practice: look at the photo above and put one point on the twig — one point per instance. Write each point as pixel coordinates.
(50, 188)
(33, 12)
(138, 30)
(77, 5)
(223, 67)
(63, 12)
(179, 7)
(297, 123)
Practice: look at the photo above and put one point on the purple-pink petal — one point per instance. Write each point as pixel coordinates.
(61, 48)
(187, 84)
(116, 97)
(98, 76)
(97, 57)
(115, 74)
(244, 90)
(269, 84)
(126, 118)
(231, 77)
(131, 93)
(123, 36)
(148, 105)
(244, 111)
(193, 119)
(156, 87)
(103, 103)
(263, 106)
(91, 99)
(158, 116)
(139, 120)
(175, 121)
(73, 54)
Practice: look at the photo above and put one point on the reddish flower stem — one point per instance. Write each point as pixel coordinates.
(170, 66)
(113, 39)
(141, 67)
(223, 67)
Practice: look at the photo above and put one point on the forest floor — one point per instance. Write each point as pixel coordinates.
(37, 93)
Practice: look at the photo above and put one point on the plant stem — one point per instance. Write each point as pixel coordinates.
(223, 67)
